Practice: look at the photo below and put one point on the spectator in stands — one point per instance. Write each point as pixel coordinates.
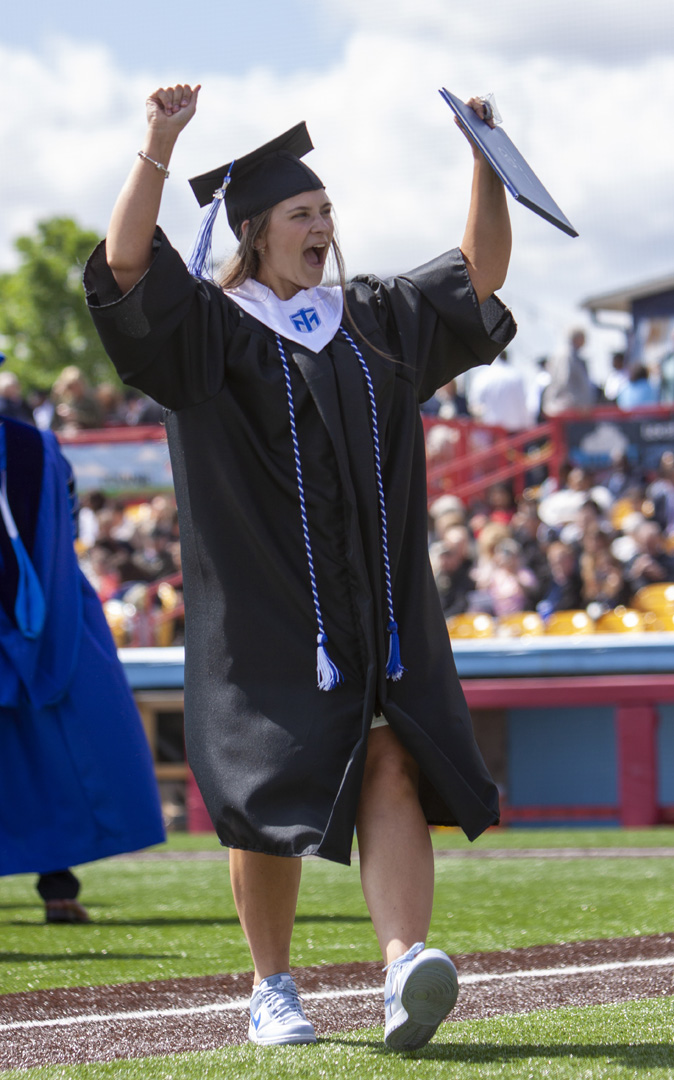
(100, 565)
(512, 586)
(164, 515)
(75, 404)
(91, 505)
(501, 503)
(153, 557)
(141, 410)
(489, 536)
(110, 399)
(570, 386)
(43, 409)
(445, 512)
(651, 563)
(564, 590)
(617, 378)
(604, 585)
(536, 387)
(587, 518)
(639, 391)
(452, 562)
(622, 475)
(559, 507)
(661, 494)
(440, 444)
(12, 403)
(533, 537)
(497, 396)
(447, 403)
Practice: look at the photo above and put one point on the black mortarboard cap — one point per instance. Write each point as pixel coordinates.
(261, 179)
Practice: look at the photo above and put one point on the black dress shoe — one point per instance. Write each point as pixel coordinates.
(66, 911)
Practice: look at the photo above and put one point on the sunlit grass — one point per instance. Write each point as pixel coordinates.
(611, 1042)
(176, 918)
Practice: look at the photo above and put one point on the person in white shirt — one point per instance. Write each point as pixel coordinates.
(498, 396)
(617, 378)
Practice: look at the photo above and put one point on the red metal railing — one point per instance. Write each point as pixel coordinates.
(503, 457)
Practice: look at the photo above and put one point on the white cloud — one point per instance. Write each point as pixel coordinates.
(601, 31)
(584, 90)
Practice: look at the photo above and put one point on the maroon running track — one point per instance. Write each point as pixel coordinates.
(101, 1023)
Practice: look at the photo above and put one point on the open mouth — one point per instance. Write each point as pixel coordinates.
(316, 255)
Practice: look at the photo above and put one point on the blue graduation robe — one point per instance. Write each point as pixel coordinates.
(76, 775)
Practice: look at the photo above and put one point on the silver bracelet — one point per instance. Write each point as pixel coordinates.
(157, 164)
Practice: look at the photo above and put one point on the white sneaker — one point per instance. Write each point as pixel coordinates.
(276, 1015)
(421, 989)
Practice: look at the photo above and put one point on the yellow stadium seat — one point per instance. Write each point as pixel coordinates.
(658, 597)
(621, 620)
(471, 625)
(569, 622)
(521, 624)
(662, 621)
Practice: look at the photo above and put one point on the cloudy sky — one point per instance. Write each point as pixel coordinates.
(585, 89)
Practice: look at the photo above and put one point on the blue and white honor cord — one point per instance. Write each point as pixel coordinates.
(394, 667)
(328, 674)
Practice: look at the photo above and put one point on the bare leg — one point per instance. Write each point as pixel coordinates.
(396, 856)
(265, 889)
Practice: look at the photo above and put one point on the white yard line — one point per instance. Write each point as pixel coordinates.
(330, 995)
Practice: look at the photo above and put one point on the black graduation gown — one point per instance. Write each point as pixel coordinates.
(278, 761)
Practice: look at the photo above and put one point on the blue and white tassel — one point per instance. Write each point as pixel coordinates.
(202, 248)
(394, 667)
(327, 673)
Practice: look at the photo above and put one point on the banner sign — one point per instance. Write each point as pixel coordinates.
(595, 444)
(120, 468)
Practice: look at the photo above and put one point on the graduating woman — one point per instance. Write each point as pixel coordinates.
(320, 688)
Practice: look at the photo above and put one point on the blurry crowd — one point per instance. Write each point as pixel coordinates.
(591, 542)
(502, 396)
(73, 405)
(128, 551)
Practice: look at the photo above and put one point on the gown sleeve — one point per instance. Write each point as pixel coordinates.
(434, 323)
(168, 334)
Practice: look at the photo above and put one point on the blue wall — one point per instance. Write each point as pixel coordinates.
(562, 757)
(666, 755)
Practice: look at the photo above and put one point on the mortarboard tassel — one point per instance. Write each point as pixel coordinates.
(202, 249)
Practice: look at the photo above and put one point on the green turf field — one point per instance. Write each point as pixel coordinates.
(175, 917)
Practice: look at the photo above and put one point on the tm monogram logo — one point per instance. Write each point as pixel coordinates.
(306, 320)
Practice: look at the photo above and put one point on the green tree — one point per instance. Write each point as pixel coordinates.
(44, 322)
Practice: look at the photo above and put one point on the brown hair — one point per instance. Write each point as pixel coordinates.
(245, 263)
